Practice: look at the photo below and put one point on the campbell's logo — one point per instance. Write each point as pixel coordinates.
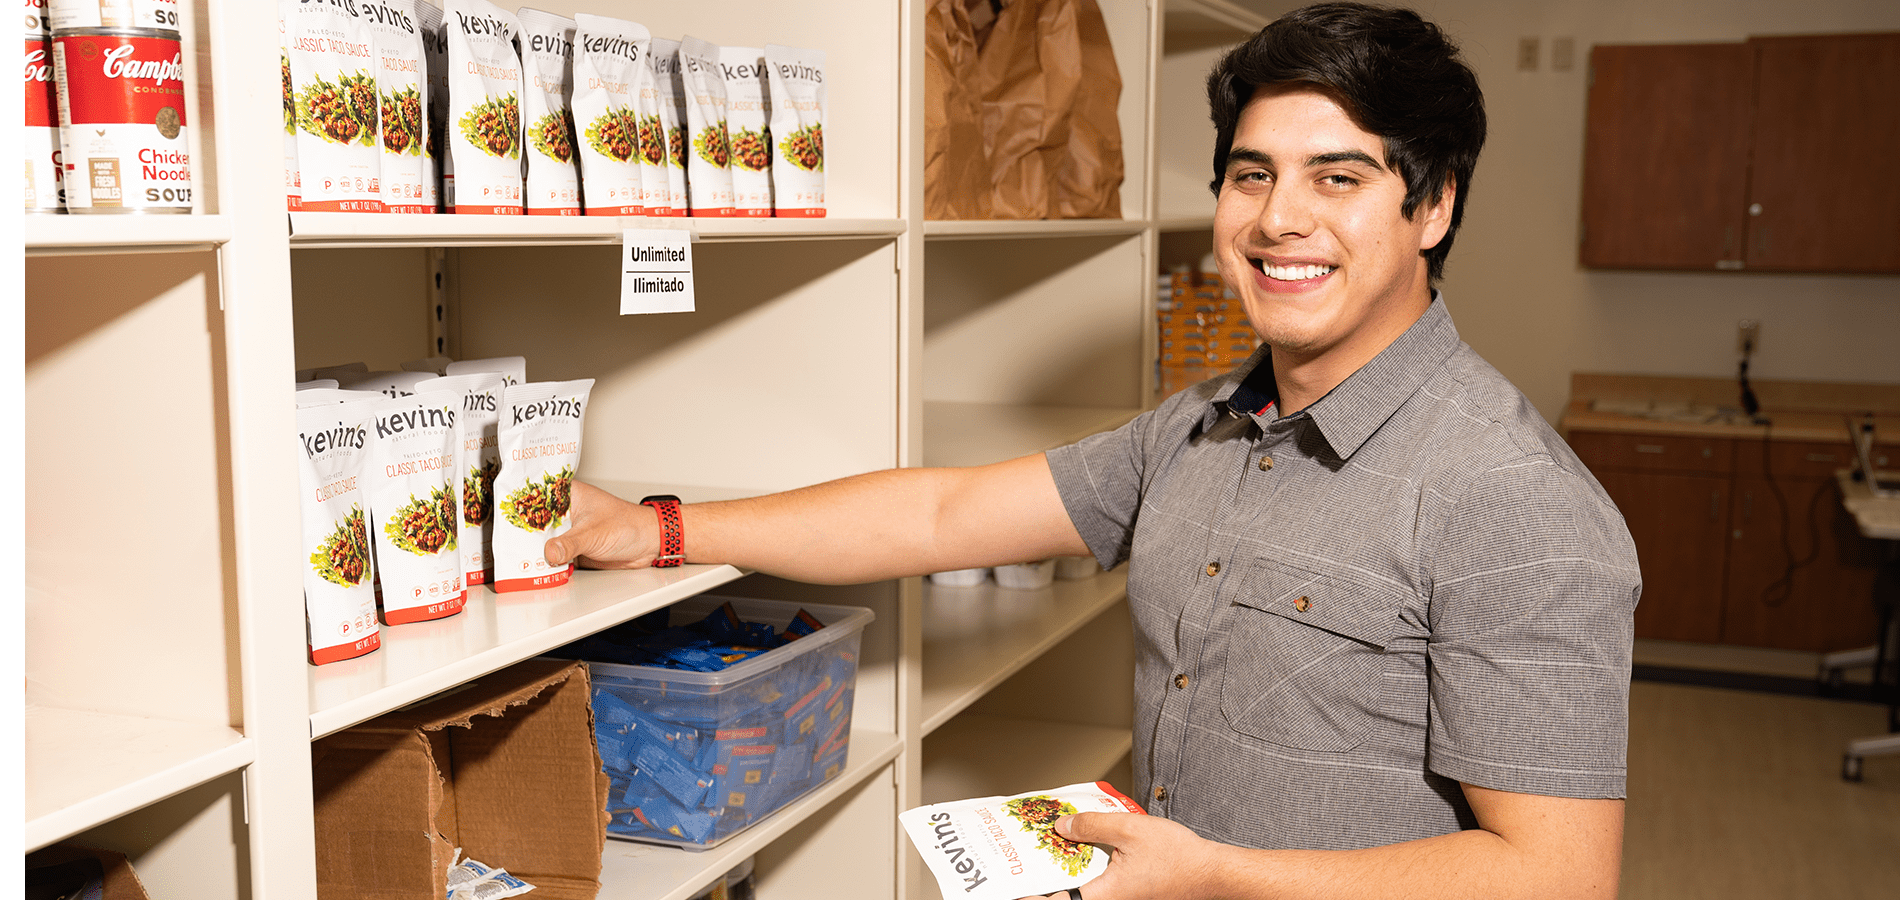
(612, 44)
(117, 64)
(483, 25)
(798, 70)
(354, 437)
(569, 407)
(414, 419)
(37, 66)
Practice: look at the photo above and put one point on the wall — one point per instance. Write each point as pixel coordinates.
(1513, 282)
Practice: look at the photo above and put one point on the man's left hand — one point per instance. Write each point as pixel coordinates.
(1151, 857)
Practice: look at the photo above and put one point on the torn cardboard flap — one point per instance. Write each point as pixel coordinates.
(504, 769)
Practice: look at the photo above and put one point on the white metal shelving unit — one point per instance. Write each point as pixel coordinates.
(169, 709)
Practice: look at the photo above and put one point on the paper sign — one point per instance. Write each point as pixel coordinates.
(656, 271)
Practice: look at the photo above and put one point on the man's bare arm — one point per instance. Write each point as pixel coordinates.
(867, 527)
(1525, 846)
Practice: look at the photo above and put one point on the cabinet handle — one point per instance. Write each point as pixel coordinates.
(1651, 448)
(1715, 505)
(1821, 457)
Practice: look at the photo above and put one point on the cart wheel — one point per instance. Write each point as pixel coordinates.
(1850, 767)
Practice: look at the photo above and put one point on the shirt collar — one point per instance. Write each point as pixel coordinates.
(1349, 414)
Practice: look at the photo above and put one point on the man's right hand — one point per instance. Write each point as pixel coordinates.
(606, 532)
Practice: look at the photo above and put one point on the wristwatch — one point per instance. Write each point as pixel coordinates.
(672, 536)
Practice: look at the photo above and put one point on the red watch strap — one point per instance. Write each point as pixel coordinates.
(672, 534)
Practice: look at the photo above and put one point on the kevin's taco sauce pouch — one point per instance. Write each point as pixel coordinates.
(708, 149)
(402, 91)
(609, 55)
(540, 454)
(481, 462)
(797, 79)
(484, 108)
(664, 56)
(415, 505)
(338, 576)
(748, 131)
(547, 61)
(293, 178)
(333, 82)
(1002, 848)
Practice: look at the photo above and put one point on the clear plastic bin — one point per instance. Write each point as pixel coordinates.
(694, 757)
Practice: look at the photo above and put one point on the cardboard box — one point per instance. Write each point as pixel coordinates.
(54, 870)
(503, 768)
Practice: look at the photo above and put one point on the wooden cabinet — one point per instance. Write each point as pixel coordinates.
(1740, 541)
(1730, 156)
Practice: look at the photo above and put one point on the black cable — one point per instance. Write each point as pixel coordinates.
(1778, 591)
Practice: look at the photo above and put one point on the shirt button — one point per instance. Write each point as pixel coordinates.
(1181, 681)
(1266, 462)
(1302, 604)
(1213, 568)
(1161, 794)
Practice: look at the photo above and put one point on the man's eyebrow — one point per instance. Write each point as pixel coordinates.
(1343, 156)
(1246, 156)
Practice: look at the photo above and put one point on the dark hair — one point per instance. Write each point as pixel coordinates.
(1397, 75)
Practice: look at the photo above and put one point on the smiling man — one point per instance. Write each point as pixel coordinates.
(1382, 613)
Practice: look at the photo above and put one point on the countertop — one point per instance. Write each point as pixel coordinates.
(1709, 407)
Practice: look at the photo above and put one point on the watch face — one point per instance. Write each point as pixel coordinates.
(659, 498)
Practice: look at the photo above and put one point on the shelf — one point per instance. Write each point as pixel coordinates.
(989, 229)
(85, 768)
(975, 434)
(1185, 223)
(976, 637)
(49, 235)
(492, 632)
(330, 229)
(1212, 15)
(634, 871)
(994, 756)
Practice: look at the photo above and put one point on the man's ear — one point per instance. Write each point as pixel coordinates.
(1438, 215)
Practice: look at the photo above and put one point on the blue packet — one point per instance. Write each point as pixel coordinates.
(658, 813)
(801, 625)
(653, 758)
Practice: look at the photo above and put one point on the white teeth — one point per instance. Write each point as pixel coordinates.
(1295, 273)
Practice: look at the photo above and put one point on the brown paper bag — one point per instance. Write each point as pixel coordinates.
(1088, 184)
(956, 163)
(1047, 73)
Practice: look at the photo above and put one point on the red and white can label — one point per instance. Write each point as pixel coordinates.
(122, 121)
(42, 129)
(160, 14)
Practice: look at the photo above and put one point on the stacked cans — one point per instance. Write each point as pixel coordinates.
(118, 79)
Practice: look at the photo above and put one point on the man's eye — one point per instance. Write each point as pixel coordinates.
(1251, 180)
(1339, 181)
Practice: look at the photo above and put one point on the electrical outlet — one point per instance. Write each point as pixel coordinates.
(1748, 335)
(1527, 54)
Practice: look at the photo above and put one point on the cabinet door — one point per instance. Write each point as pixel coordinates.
(1665, 163)
(1800, 574)
(1678, 523)
(1826, 113)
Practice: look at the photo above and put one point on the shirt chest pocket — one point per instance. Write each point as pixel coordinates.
(1306, 657)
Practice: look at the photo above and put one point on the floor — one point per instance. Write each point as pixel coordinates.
(1736, 793)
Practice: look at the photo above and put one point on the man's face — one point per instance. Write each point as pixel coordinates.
(1309, 234)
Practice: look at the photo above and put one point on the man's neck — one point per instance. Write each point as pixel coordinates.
(1301, 379)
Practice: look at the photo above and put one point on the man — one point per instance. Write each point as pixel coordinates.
(1382, 613)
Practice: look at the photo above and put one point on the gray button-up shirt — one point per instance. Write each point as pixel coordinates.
(1342, 613)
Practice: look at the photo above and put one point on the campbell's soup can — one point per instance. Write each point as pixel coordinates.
(123, 138)
(69, 14)
(43, 187)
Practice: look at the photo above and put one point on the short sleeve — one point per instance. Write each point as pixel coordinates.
(1534, 587)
